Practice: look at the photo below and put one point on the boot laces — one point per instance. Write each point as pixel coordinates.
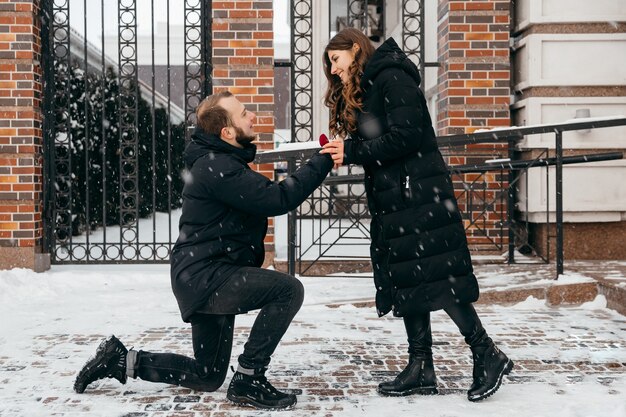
(261, 381)
(119, 367)
(258, 380)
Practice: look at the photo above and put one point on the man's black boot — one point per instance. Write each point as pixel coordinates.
(109, 362)
(254, 390)
(490, 366)
(417, 378)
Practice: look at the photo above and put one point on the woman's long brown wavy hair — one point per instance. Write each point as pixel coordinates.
(345, 100)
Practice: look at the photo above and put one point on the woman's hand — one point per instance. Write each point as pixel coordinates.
(335, 149)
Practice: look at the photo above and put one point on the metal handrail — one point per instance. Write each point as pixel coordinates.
(490, 136)
(504, 135)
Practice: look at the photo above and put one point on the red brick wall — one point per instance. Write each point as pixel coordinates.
(243, 62)
(474, 93)
(21, 159)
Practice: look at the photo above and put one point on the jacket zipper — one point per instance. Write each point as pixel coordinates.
(407, 185)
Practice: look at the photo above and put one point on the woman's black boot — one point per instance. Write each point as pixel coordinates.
(490, 366)
(419, 375)
(417, 378)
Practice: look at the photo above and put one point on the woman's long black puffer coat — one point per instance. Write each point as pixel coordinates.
(419, 250)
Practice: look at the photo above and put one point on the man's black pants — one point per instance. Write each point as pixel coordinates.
(278, 295)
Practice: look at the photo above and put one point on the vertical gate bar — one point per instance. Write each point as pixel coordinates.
(68, 129)
(350, 14)
(104, 140)
(169, 138)
(70, 139)
(128, 119)
(470, 203)
(153, 114)
(48, 126)
(349, 195)
(485, 204)
(421, 25)
(301, 94)
(313, 221)
(86, 137)
(319, 220)
(526, 197)
(357, 13)
(186, 103)
(511, 204)
(559, 203)
(292, 215)
(207, 47)
(548, 211)
(135, 160)
(330, 22)
(291, 230)
(120, 132)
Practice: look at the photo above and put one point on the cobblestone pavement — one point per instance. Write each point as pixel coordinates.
(334, 358)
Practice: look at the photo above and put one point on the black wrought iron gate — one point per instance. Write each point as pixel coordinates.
(119, 98)
(118, 104)
(333, 224)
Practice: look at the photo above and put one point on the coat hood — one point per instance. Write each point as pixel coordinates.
(388, 55)
(202, 144)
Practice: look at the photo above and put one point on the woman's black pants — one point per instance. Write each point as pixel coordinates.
(463, 315)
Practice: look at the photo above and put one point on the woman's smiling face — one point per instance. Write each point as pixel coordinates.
(340, 61)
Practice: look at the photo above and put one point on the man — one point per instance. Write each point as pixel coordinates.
(215, 265)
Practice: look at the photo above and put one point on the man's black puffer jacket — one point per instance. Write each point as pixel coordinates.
(224, 216)
(419, 250)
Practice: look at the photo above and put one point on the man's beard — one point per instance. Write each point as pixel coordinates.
(242, 138)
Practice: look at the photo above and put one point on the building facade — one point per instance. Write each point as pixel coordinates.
(569, 60)
(494, 63)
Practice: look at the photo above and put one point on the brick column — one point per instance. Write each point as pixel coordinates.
(21, 177)
(474, 93)
(243, 63)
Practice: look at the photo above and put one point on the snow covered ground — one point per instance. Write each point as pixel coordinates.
(571, 360)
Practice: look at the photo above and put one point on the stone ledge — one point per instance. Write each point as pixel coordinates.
(327, 267)
(510, 296)
(571, 293)
(554, 295)
(615, 296)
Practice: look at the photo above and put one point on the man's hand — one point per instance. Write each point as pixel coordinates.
(335, 149)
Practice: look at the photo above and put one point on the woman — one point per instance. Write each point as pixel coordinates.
(419, 250)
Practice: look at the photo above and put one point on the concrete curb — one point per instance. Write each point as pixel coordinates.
(554, 295)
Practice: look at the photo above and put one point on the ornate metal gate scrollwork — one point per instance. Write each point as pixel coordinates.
(302, 70)
(61, 204)
(357, 14)
(413, 32)
(114, 136)
(128, 133)
(197, 55)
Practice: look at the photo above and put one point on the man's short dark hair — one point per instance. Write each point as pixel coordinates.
(210, 116)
